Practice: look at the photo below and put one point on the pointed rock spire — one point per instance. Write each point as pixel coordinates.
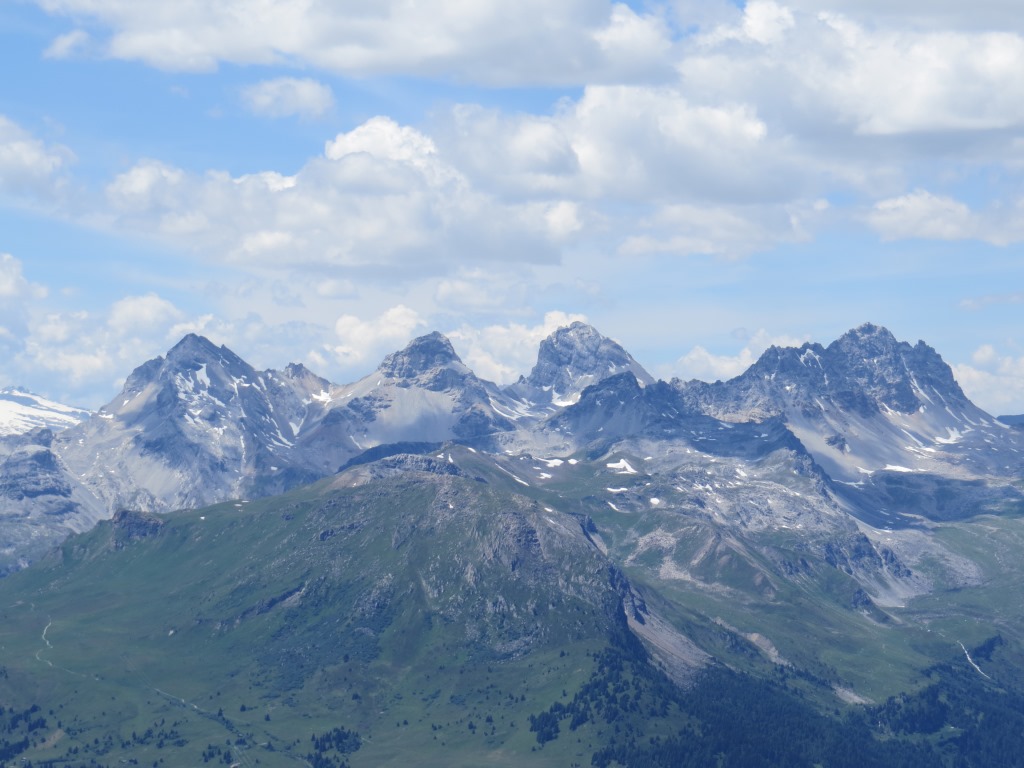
(571, 359)
(422, 355)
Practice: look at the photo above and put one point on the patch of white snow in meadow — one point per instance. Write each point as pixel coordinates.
(622, 466)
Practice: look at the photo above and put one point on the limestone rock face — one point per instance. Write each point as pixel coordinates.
(570, 360)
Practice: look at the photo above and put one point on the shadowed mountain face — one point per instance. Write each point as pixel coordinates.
(41, 502)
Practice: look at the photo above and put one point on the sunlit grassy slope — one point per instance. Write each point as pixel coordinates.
(440, 611)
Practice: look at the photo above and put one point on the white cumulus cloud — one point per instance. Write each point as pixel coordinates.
(625, 142)
(92, 351)
(288, 96)
(993, 380)
(19, 301)
(502, 353)
(728, 231)
(699, 363)
(67, 45)
(892, 82)
(762, 21)
(142, 313)
(381, 197)
(922, 214)
(920, 14)
(30, 169)
(380, 335)
(13, 284)
(506, 42)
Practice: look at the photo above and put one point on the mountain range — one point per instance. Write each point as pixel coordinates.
(201, 425)
(839, 526)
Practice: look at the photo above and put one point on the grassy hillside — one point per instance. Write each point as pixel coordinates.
(437, 611)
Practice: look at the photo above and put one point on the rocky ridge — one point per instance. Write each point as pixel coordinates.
(835, 448)
(867, 403)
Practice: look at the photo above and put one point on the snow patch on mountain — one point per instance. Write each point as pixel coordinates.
(22, 411)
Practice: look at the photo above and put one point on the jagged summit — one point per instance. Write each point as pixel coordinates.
(866, 370)
(580, 350)
(192, 357)
(893, 373)
(869, 331)
(297, 371)
(193, 344)
(868, 349)
(571, 359)
(855, 403)
(194, 426)
(296, 375)
(200, 424)
(422, 355)
(193, 366)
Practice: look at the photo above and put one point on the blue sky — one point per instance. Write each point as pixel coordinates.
(319, 182)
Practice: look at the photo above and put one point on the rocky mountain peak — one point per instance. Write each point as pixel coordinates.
(800, 362)
(299, 375)
(192, 343)
(571, 359)
(192, 365)
(577, 346)
(867, 342)
(422, 355)
(864, 371)
(194, 349)
(889, 372)
(297, 371)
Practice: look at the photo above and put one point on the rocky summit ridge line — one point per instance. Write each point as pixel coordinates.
(877, 416)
